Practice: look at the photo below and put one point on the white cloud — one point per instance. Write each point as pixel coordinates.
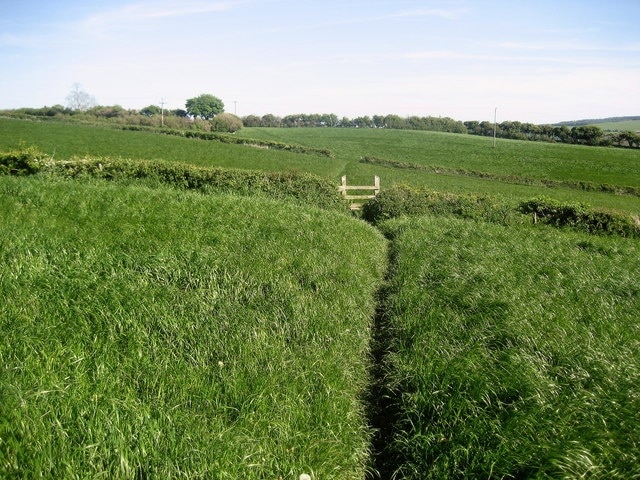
(144, 11)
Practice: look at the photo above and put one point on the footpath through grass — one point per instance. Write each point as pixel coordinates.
(512, 353)
(158, 333)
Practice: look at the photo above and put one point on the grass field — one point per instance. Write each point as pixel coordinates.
(622, 126)
(148, 331)
(154, 333)
(512, 352)
(535, 160)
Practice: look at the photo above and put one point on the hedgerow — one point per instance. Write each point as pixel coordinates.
(303, 188)
(516, 179)
(226, 138)
(581, 217)
(404, 200)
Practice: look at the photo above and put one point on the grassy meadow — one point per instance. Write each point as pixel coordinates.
(155, 333)
(526, 161)
(510, 352)
(163, 315)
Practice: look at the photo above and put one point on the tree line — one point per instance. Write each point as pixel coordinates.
(206, 112)
(579, 135)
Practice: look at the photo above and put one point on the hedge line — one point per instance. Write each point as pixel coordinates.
(517, 179)
(402, 200)
(302, 188)
(226, 138)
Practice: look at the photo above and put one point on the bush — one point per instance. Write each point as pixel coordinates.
(581, 216)
(21, 161)
(402, 200)
(226, 122)
(302, 188)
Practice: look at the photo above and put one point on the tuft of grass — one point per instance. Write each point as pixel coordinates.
(512, 352)
(162, 333)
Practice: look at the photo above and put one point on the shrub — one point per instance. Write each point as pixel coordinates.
(581, 216)
(21, 161)
(226, 122)
(302, 188)
(403, 200)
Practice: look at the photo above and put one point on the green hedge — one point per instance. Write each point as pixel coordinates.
(581, 216)
(21, 161)
(303, 188)
(404, 200)
(515, 179)
(227, 138)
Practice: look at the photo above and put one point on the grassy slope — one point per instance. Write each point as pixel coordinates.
(534, 159)
(158, 333)
(67, 140)
(514, 352)
(539, 160)
(621, 126)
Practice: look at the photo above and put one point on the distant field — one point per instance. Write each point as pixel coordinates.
(157, 333)
(623, 126)
(557, 162)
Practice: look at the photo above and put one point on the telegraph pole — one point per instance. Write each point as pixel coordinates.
(495, 126)
(235, 107)
(162, 111)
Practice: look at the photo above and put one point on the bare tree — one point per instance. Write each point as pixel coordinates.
(79, 99)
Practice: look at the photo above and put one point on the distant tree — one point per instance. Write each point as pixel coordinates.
(270, 120)
(150, 111)
(378, 121)
(79, 100)
(178, 112)
(251, 121)
(226, 122)
(204, 106)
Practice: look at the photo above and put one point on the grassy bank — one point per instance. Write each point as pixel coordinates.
(157, 333)
(512, 352)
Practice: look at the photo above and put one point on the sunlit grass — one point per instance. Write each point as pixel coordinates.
(154, 333)
(513, 352)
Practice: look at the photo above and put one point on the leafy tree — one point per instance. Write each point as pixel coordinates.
(150, 111)
(226, 122)
(204, 106)
(79, 100)
(251, 121)
(270, 120)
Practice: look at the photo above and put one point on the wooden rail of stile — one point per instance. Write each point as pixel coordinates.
(344, 188)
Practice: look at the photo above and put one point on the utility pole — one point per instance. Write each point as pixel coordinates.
(235, 107)
(495, 126)
(162, 111)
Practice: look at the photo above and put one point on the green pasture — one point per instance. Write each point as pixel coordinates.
(63, 141)
(183, 320)
(157, 333)
(530, 160)
(621, 126)
(511, 352)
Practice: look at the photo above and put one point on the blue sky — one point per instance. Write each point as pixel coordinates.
(535, 61)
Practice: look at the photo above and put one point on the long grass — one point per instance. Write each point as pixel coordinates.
(513, 352)
(157, 333)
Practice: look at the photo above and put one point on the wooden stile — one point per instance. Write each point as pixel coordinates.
(344, 188)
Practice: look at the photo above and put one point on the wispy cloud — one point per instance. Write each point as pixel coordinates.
(144, 11)
(449, 14)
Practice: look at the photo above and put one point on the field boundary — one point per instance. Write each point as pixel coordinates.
(513, 179)
(344, 188)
